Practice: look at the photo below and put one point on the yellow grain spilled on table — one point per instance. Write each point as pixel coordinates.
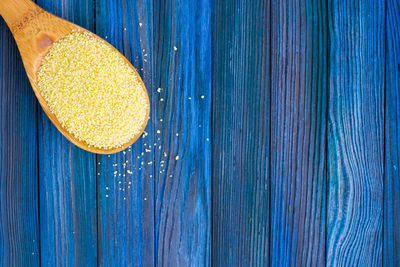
(92, 91)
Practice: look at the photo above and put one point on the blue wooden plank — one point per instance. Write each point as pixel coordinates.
(126, 180)
(241, 133)
(19, 217)
(67, 180)
(356, 133)
(298, 132)
(391, 225)
(182, 68)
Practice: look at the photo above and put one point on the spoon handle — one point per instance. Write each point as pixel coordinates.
(18, 13)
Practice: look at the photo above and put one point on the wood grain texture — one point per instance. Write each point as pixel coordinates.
(391, 224)
(241, 131)
(67, 180)
(182, 60)
(19, 215)
(279, 107)
(355, 133)
(125, 190)
(298, 132)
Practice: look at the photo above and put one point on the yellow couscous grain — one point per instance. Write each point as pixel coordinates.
(92, 91)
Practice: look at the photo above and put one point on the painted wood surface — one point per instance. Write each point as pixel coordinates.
(19, 218)
(298, 132)
(356, 133)
(126, 180)
(272, 141)
(391, 225)
(182, 69)
(241, 132)
(67, 180)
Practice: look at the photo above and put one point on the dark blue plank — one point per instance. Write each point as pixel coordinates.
(182, 62)
(241, 131)
(298, 132)
(356, 133)
(126, 181)
(391, 225)
(67, 180)
(19, 217)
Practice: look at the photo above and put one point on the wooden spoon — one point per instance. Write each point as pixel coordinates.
(35, 30)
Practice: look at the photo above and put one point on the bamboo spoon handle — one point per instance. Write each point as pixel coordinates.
(34, 31)
(16, 13)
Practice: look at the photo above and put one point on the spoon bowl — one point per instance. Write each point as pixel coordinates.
(35, 30)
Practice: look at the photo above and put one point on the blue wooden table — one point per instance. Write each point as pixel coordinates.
(273, 140)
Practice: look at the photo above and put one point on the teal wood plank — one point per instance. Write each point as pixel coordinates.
(356, 133)
(67, 180)
(298, 132)
(19, 215)
(241, 133)
(182, 69)
(391, 225)
(126, 180)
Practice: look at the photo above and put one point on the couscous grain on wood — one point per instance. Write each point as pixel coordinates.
(92, 91)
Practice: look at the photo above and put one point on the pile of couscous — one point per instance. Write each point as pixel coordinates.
(92, 91)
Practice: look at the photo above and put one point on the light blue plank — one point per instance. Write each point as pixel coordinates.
(241, 133)
(391, 225)
(19, 217)
(182, 69)
(67, 181)
(356, 133)
(125, 186)
(299, 75)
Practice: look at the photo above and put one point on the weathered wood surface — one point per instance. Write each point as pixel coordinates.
(19, 209)
(125, 183)
(272, 141)
(241, 133)
(182, 162)
(355, 133)
(67, 180)
(299, 71)
(391, 225)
